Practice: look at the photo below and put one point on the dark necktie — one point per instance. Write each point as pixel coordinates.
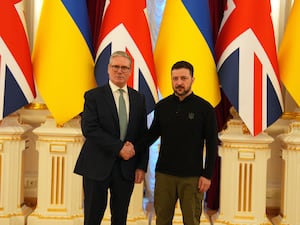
(122, 115)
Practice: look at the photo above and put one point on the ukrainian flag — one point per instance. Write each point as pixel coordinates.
(288, 56)
(62, 57)
(186, 34)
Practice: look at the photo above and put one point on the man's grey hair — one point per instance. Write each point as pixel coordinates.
(122, 54)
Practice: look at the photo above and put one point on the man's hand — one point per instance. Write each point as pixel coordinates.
(127, 151)
(203, 184)
(139, 176)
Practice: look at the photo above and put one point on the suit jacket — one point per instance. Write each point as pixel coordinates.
(100, 127)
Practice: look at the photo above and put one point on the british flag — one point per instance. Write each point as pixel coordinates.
(125, 27)
(16, 79)
(247, 63)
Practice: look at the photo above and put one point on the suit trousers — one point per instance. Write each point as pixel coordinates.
(96, 194)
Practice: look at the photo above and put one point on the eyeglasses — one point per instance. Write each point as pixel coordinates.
(124, 69)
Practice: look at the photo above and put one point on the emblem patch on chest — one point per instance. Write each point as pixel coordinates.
(191, 115)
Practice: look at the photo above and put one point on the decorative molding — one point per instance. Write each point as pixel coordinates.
(36, 106)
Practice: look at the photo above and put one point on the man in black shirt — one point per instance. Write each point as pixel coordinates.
(186, 123)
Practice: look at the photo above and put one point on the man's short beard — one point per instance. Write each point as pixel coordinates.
(182, 93)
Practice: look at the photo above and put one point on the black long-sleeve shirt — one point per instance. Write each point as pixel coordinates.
(185, 127)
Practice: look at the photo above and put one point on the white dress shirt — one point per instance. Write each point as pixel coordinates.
(116, 93)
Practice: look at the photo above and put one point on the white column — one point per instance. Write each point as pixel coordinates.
(290, 195)
(13, 142)
(243, 176)
(59, 197)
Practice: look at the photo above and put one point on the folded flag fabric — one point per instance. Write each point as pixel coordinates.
(186, 34)
(247, 63)
(289, 51)
(63, 61)
(16, 79)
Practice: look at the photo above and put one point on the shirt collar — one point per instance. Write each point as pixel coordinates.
(115, 88)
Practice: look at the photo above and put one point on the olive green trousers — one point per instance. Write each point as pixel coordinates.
(168, 189)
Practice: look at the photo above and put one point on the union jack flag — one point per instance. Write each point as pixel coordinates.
(16, 79)
(247, 63)
(125, 27)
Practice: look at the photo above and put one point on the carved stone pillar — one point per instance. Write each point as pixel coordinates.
(243, 176)
(290, 195)
(13, 141)
(59, 197)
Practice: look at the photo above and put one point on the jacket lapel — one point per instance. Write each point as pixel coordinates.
(132, 107)
(111, 103)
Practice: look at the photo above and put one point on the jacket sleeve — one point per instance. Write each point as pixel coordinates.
(211, 143)
(94, 131)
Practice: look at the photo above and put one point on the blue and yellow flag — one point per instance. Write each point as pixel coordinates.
(288, 55)
(62, 57)
(186, 34)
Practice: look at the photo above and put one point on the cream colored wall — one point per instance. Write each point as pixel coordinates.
(35, 117)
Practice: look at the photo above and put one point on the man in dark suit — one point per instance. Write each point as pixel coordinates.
(107, 159)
